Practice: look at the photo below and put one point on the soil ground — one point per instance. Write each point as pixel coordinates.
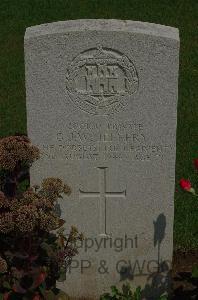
(185, 287)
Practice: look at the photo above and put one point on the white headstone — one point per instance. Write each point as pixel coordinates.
(102, 107)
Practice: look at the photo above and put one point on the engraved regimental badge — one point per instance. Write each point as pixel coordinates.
(100, 81)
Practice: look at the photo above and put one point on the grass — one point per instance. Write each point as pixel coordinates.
(16, 15)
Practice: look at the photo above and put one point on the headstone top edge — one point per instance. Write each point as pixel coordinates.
(102, 25)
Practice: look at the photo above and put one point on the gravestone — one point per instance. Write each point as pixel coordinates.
(102, 108)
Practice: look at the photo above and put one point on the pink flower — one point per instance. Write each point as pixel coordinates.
(185, 184)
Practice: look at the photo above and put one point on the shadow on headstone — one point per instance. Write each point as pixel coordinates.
(159, 233)
(126, 273)
(159, 282)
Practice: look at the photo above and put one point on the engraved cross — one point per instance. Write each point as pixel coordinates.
(103, 196)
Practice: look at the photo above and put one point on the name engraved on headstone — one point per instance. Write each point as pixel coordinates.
(94, 141)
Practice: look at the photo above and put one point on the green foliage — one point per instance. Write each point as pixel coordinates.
(163, 297)
(126, 294)
(186, 220)
(195, 272)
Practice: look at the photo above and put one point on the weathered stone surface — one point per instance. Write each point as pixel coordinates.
(102, 107)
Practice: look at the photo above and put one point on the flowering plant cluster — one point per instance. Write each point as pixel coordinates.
(34, 249)
(186, 185)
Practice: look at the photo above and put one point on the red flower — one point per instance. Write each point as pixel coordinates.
(36, 297)
(185, 184)
(196, 163)
(6, 296)
(41, 277)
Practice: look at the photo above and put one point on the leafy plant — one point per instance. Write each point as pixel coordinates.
(187, 187)
(126, 294)
(163, 297)
(35, 251)
(195, 272)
